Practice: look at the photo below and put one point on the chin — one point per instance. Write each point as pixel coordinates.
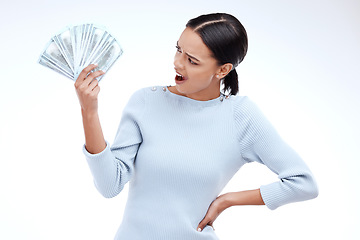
(182, 90)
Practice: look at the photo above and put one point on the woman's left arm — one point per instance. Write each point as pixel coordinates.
(260, 142)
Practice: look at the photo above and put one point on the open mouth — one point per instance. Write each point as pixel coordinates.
(179, 77)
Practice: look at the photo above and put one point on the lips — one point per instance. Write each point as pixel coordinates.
(179, 77)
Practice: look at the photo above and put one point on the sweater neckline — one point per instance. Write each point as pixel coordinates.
(194, 102)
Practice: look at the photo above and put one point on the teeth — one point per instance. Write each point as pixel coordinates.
(179, 77)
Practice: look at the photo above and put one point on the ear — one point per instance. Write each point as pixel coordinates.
(224, 70)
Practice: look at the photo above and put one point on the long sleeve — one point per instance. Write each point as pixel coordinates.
(114, 166)
(179, 154)
(260, 142)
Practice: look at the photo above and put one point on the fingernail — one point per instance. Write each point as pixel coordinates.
(199, 229)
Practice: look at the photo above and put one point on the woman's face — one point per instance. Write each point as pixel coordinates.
(196, 69)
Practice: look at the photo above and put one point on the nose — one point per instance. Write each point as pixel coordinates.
(178, 62)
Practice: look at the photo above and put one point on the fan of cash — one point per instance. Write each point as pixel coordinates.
(70, 51)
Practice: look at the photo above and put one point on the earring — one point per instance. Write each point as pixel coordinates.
(217, 76)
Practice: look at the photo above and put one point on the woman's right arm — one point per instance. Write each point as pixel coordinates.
(111, 167)
(87, 90)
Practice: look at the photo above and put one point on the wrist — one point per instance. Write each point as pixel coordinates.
(89, 114)
(248, 197)
(226, 200)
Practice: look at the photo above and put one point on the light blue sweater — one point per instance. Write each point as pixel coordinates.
(179, 153)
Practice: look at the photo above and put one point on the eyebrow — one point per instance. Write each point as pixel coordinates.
(177, 43)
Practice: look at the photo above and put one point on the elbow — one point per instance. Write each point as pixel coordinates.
(108, 195)
(309, 188)
(297, 188)
(112, 186)
(314, 190)
(108, 192)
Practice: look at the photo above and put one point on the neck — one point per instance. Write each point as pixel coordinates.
(199, 96)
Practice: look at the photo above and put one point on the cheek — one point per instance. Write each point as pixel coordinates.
(202, 76)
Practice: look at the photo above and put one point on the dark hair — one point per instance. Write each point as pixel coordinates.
(227, 39)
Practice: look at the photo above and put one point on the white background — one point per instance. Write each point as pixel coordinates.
(302, 69)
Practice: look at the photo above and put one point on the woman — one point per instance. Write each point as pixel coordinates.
(180, 145)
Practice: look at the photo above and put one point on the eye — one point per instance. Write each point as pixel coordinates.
(192, 62)
(178, 49)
